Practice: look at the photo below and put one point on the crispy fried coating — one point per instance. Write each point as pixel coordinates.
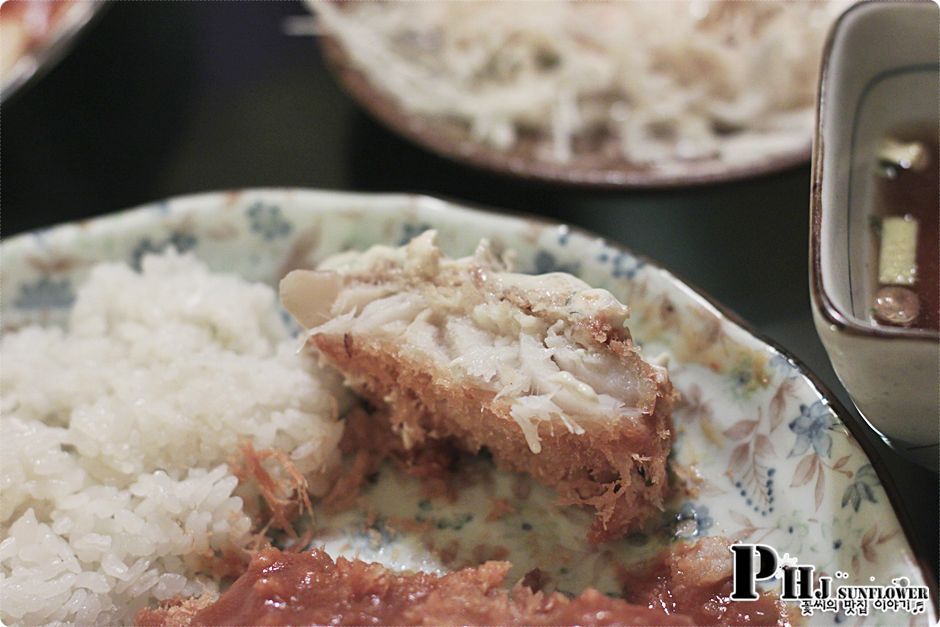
(539, 370)
(311, 589)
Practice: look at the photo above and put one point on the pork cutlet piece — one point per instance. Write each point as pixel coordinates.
(282, 588)
(538, 369)
(696, 580)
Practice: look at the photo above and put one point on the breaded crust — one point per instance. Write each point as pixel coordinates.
(282, 588)
(618, 468)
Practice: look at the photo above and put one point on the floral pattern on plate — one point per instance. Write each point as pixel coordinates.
(766, 456)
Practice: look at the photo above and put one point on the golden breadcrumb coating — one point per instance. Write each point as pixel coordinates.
(539, 370)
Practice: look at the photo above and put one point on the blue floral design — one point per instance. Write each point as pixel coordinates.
(623, 265)
(783, 364)
(46, 293)
(796, 530)
(626, 266)
(692, 512)
(377, 526)
(862, 489)
(290, 324)
(546, 262)
(41, 234)
(182, 242)
(455, 522)
(811, 428)
(268, 221)
(411, 230)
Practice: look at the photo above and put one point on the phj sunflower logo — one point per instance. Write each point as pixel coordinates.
(799, 583)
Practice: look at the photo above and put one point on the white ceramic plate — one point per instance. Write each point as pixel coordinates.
(776, 462)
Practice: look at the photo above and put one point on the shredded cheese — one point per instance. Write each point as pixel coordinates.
(663, 82)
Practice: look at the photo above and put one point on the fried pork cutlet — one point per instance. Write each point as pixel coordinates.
(311, 589)
(540, 370)
(687, 584)
(695, 580)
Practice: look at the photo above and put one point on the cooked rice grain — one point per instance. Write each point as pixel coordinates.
(115, 433)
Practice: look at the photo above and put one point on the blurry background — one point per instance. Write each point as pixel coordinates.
(166, 98)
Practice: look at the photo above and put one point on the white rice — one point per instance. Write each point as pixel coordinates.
(115, 433)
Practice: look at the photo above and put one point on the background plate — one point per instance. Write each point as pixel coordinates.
(588, 170)
(52, 46)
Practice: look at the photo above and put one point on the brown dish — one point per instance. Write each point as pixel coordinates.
(594, 169)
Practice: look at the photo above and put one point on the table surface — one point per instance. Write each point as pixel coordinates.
(164, 98)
